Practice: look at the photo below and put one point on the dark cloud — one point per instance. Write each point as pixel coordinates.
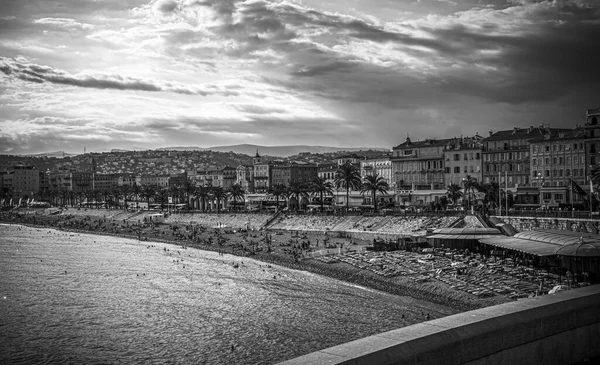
(23, 70)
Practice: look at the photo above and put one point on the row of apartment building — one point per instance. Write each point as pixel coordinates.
(536, 164)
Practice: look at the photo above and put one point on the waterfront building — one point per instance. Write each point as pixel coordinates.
(327, 171)
(244, 177)
(506, 156)
(353, 158)
(262, 174)
(25, 181)
(419, 164)
(226, 178)
(556, 159)
(106, 182)
(82, 180)
(280, 174)
(128, 179)
(592, 142)
(161, 181)
(60, 180)
(178, 179)
(418, 171)
(381, 166)
(462, 159)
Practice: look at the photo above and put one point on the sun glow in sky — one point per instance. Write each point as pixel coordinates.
(147, 74)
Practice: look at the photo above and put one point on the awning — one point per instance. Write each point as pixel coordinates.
(460, 237)
(527, 246)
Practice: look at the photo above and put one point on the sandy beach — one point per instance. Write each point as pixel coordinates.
(292, 249)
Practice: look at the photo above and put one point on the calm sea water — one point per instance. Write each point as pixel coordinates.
(68, 298)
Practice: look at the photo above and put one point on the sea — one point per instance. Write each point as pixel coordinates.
(72, 298)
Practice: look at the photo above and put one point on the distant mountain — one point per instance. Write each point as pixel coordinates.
(281, 151)
(181, 149)
(57, 154)
(116, 150)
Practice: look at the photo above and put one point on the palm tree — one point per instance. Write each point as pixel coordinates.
(470, 184)
(321, 186)
(95, 195)
(236, 191)
(106, 195)
(64, 196)
(454, 192)
(277, 190)
(136, 191)
(126, 193)
(347, 176)
(202, 192)
(174, 193)
(161, 196)
(116, 194)
(147, 192)
(374, 184)
(219, 194)
(491, 191)
(595, 176)
(298, 190)
(188, 188)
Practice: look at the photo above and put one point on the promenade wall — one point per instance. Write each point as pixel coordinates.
(566, 224)
(562, 328)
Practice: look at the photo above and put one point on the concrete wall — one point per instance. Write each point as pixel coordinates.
(529, 223)
(563, 328)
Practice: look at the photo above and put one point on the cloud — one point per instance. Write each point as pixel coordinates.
(21, 69)
(66, 23)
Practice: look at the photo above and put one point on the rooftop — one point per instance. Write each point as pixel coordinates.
(523, 133)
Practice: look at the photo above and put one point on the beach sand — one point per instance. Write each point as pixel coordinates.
(285, 248)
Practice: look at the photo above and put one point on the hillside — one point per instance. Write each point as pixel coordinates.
(279, 151)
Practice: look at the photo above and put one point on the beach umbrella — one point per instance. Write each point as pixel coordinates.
(583, 248)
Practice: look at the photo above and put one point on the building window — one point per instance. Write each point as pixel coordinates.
(457, 169)
(547, 148)
(534, 162)
(547, 196)
(547, 173)
(477, 156)
(593, 160)
(568, 172)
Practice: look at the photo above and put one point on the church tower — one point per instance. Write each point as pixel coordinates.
(257, 159)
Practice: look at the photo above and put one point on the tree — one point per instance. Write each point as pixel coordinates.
(321, 186)
(147, 192)
(203, 193)
(491, 191)
(470, 184)
(277, 190)
(236, 191)
(347, 177)
(126, 191)
(453, 191)
(188, 188)
(136, 191)
(374, 184)
(161, 196)
(298, 190)
(595, 176)
(219, 194)
(116, 194)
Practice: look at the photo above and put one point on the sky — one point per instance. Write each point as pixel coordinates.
(131, 74)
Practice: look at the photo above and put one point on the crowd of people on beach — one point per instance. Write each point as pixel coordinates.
(231, 234)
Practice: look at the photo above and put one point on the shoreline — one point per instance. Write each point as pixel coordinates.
(433, 291)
